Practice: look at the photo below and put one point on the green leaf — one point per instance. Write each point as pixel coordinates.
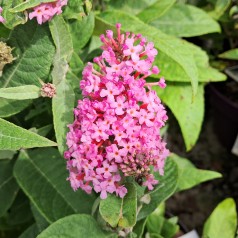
(173, 53)
(154, 235)
(7, 154)
(110, 209)
(74, 10)
(13, 137)
(184, 20)
(28, 4)
(41, 222)
(40, 106)
(230, 54)
(10, 107)
(155, 223)
(189, 114)
(81, 31)
(220, 8)
(76, 65)
(166, 187)
(12, 19)
(189, 175)
(209, 74)
(79, 226)
(43, 178)
(18, 214)
(169, 229)
(158, 224)
(130, 6)
(8, 186)
(156, 10)
(121, 212)
(4, 32)
(31, 232)
(205, 72)
(63, 102)
(43, 131)
(223, 221)
(129, 207)
(75, 73)
(20, 93)
(139, 228)
(62, 40)
(34, 51)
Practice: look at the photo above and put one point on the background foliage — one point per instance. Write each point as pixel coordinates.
(35, 198)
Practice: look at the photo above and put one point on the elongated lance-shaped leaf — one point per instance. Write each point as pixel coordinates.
(9, 107)
(175, 55)
(20, 93)
(8, 186)
(31, 232)
(41, 222)
(184, 20)
(28, 4)
(7, 154)
(205, 72)
(189, 175)
(140, 227)
(230, 54)
(13, 137)
(77, 225)
(42, 175)
(63, 102)
(156, 10)
(131, 6)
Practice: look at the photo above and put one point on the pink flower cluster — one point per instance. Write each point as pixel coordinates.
(45, 11)
(2, 20)
(116, 132)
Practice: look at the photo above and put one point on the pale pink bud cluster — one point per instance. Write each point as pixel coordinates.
(48, 90)
(45, 11)
(2, 20)
(116, 132)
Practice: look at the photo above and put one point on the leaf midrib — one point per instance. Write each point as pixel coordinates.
(54, 187)
(5, 182)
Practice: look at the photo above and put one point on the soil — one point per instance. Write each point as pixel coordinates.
(194, 206)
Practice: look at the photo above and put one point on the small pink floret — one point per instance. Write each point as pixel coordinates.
(45, 11)
(2, 20)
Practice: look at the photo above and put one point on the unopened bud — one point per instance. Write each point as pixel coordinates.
(48, 90)
(146, 199)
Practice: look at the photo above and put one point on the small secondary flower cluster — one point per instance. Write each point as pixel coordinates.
(116, 132)
(45, 11)
(2, 20)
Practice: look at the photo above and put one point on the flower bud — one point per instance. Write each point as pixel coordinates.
(5, 55)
